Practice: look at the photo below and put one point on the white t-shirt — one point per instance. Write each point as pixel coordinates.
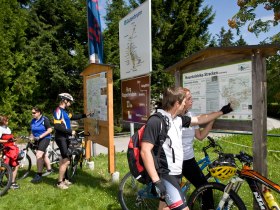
(5, 130)
(188, 135)
(172, 144)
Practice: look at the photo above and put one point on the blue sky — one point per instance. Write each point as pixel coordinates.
(225, 9)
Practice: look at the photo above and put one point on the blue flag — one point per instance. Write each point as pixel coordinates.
(95, 39)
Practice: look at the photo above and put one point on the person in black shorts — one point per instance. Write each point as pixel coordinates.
(63, 131)
(167, 182)
(41, 133)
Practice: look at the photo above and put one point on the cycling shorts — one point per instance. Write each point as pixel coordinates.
(63, 145)
(174, 197)
(43, 144)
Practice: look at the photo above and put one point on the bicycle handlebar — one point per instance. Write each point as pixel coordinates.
(244, 158)
(212, 144)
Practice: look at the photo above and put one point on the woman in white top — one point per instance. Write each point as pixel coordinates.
(191, 169)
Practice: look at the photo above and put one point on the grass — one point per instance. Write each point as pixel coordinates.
(91, 190)
(95, 190)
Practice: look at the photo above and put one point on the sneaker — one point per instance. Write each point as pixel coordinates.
(67, 182)
(48, 172)
(14, 186)
(37, 178)
(62, 186)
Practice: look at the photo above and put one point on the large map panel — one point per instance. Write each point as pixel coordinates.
(215, 87)
(96, 86)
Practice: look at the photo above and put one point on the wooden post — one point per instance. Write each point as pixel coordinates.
(178, 80)
(259, 99)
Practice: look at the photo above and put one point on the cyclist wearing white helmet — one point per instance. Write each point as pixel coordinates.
(63, 131)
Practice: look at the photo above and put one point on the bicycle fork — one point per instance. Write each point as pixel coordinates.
(234, 185)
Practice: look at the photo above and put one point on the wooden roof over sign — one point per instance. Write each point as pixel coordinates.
(219, 56)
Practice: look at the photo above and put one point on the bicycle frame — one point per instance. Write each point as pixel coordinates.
(254, 180)
(203, 163)
(143, 194)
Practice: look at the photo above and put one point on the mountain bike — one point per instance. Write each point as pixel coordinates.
(78, 154)
(258, 184)
(6, 173)
(134, 195)
(53, 154)
(25, 164)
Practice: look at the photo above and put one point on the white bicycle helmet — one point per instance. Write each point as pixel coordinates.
(66, 96)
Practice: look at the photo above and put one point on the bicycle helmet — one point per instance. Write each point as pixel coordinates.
(66, 96)
(223, 168)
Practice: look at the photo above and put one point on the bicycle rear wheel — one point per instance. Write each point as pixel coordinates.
(73, 166)
(134, 195)
(24, 167)
(54, 156)
(6, 174)
(195, 200)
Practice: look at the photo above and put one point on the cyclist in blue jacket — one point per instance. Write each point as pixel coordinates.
(63, 131)
(41, 133)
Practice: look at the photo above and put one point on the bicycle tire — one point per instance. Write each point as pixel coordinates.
(54, 157)
(194, 202)
(6, 174)
(72, 168)
(24, 167)
(134, 195)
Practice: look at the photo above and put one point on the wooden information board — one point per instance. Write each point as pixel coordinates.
(98, 99)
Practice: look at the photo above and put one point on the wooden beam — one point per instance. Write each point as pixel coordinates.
(259, 101)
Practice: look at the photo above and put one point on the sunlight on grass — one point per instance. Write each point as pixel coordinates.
(94, 189)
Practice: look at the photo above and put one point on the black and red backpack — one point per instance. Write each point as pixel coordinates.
(135, 162)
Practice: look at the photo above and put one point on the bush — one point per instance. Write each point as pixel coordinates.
(273, 110)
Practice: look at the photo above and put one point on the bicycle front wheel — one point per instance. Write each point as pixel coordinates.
(5, 178)
(24, 167)
(134, 195)
(217, 189)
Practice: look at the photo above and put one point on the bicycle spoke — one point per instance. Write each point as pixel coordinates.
(134, 195)
(201, 198)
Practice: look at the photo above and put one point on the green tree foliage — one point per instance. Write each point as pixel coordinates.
(17, 76)
(226, 39)
(273, 74)
(240, 42)
(43, 52)
(246, 14)
(179, 29)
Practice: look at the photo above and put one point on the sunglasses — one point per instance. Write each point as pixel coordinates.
(34, 112)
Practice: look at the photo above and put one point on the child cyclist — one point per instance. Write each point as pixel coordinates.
(11, 151)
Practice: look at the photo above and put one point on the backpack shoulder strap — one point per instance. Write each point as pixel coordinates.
(164, 126)
(161, 137)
